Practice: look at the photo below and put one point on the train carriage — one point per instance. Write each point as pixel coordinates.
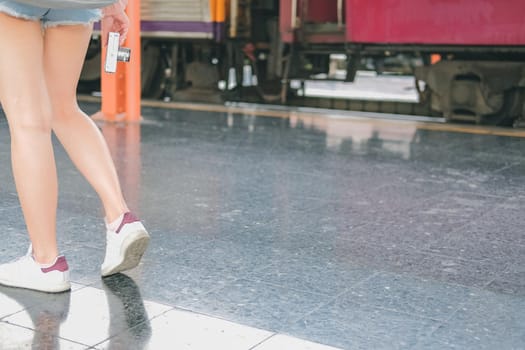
(194, 45)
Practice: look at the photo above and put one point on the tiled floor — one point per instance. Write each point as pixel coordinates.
(286, 233)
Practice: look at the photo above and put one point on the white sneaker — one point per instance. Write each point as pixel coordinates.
(125, 245)
(25, 272)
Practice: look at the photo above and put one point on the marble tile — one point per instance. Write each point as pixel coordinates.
(105, 312)
(14, 338)
(464, 245)
(305, 273)
(357, 236)
(176, 285)
(16, 239)
(348, 325)
(180, 329)
(326, 221)
(511, 281)
(9, 200)
(455, 207)
(84, 263)
(404, 294)
(76, 231)
(370, 255)
(279, 341)
(14, 300)
(486, 320)
(11, 305)
(458, 271)
(80, 206)
(500, 223)
(259, 304)
(229, 258)
(278, 240)
(513, 286)
(403, 231)
(515, 172)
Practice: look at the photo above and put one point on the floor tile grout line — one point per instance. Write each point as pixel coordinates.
(177, 308)
(93, 286)
(349, 289)
(508, 166)
(435, 254)
(428, 335)
(283, 287)
(446, 321)
(404, 312)
(453, 284)
(399, 312)
(122, 331)
(36, 331)
(486, 285)
(2, 318)
(148, 321)
(332, 299)
(263, 341)
(492, 209)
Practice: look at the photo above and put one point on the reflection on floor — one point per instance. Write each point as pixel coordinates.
(90, 315)
(269, 232)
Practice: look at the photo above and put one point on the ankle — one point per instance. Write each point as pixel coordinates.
(112, 215)
(114, 224)
(45, 258)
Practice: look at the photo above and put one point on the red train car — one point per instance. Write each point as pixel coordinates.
(481, 76)
(436, 22)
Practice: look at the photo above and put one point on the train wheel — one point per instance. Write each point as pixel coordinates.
(513, 101)
(481, 92)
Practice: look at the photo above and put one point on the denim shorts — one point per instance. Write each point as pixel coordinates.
(50, 17)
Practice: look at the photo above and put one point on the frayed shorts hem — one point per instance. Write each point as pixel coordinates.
(13, 13)
(70, 23)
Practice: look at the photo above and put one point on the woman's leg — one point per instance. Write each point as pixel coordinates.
(24, 98)
(64, 52)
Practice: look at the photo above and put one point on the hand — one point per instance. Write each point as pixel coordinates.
(114, 19)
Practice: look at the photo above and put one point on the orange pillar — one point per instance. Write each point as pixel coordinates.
(219, 11)
(121, 91)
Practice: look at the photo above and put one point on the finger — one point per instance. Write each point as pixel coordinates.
(104, 34)
(107, 25)
(123, 36)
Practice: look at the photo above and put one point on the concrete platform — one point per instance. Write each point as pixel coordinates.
(286, 232)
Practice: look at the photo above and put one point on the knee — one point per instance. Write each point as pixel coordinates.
(30, 121)
(63, 112)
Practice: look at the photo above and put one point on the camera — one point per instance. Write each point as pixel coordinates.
(115, 53)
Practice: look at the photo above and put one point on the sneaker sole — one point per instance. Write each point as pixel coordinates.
(133, 249)
(59, 288)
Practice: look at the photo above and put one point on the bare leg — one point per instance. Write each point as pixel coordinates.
(64, 51)
(25, 101)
